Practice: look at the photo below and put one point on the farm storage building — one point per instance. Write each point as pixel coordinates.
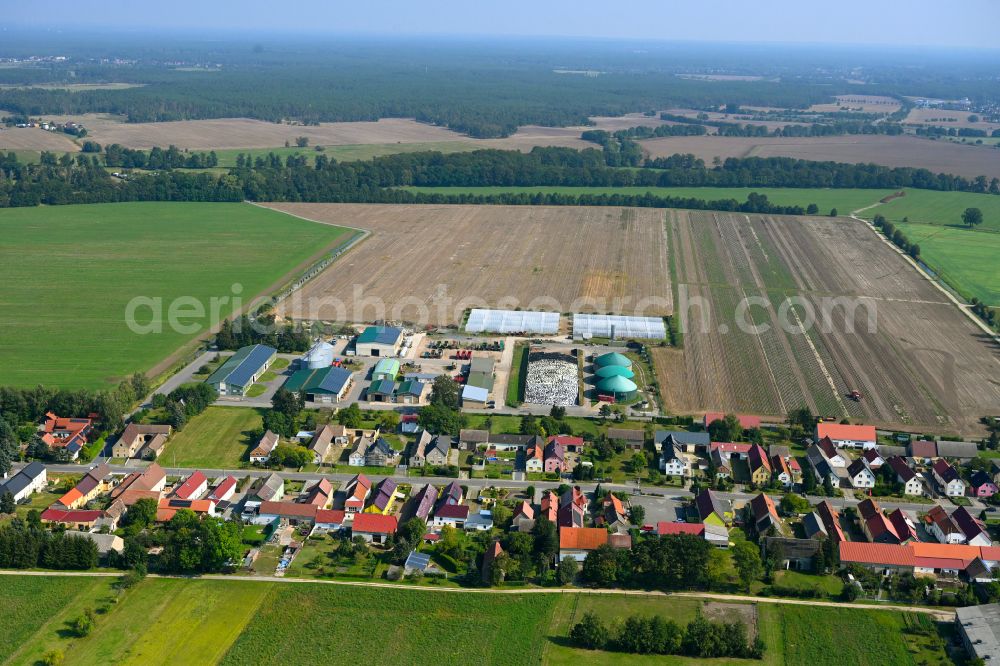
(387, 368)
(611, 359)
(620, 387)
(614, 371)
(320, 356)
(512, 321)
(326, 385)
(616, 326)
(474, 396)
(379, 341)
(242, 369)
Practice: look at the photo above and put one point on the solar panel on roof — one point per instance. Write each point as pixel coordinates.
(512, 321)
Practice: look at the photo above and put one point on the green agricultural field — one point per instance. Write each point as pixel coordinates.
(73, 270)
(940, 208)
(844, 201)
(308, 624)
(35, 608)
(966, 259)
(349, 153)
(218, 437)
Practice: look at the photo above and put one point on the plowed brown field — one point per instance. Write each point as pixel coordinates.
(925, 364)
(427, 264)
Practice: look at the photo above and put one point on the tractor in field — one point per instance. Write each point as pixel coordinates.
(855, 395)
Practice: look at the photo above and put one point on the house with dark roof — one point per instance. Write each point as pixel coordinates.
(381, 454)
(673, 462)
(942, 527)
(382, 390)
(873, 458)
(421, 504)
(832, 453)
(452, 494)
(439, 450)
(759, 465)
(948, 478)
(31, 478)
(384, 497)
(913, 483)
(712, 509)
(875, 524)
(452, 515)
(905, 530)
(821, 467)
(982, 485)
(792, 554)
(971, 527)
(689, 442)
(241, 370)
(831, 520)
(813, 526)
(860, 475)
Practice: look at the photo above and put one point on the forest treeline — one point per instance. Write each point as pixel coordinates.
(84, 179)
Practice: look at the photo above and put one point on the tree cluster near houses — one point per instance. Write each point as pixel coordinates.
(700, 638)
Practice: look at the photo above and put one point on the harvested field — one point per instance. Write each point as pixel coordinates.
(246, 133)
(34, 138)
(947, 118)
(430, 263)
(893, 151)
(862, 103)
(924, 364)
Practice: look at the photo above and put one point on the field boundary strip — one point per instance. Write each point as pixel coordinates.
(937, 612)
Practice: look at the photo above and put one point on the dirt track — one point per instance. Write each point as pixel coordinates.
(925, 365)
(441, 260)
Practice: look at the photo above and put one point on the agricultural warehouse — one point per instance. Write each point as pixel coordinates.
(325, 385)
(379, 341)
(980, 630)
(616, 327)
(474, 396)
(552, 379)
(387, 368)
(512, 321)
(242, 369)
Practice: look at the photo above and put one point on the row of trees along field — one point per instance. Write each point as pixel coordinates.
(82, 179)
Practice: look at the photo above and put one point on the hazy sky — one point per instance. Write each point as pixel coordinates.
(971, 23)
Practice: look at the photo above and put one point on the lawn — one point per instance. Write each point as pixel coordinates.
(518, 369)
(844, 201)
(218, 437)
(98, 258)
(965, 259)
(940, 208)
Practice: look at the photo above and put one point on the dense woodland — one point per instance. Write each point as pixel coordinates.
(482, 88)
